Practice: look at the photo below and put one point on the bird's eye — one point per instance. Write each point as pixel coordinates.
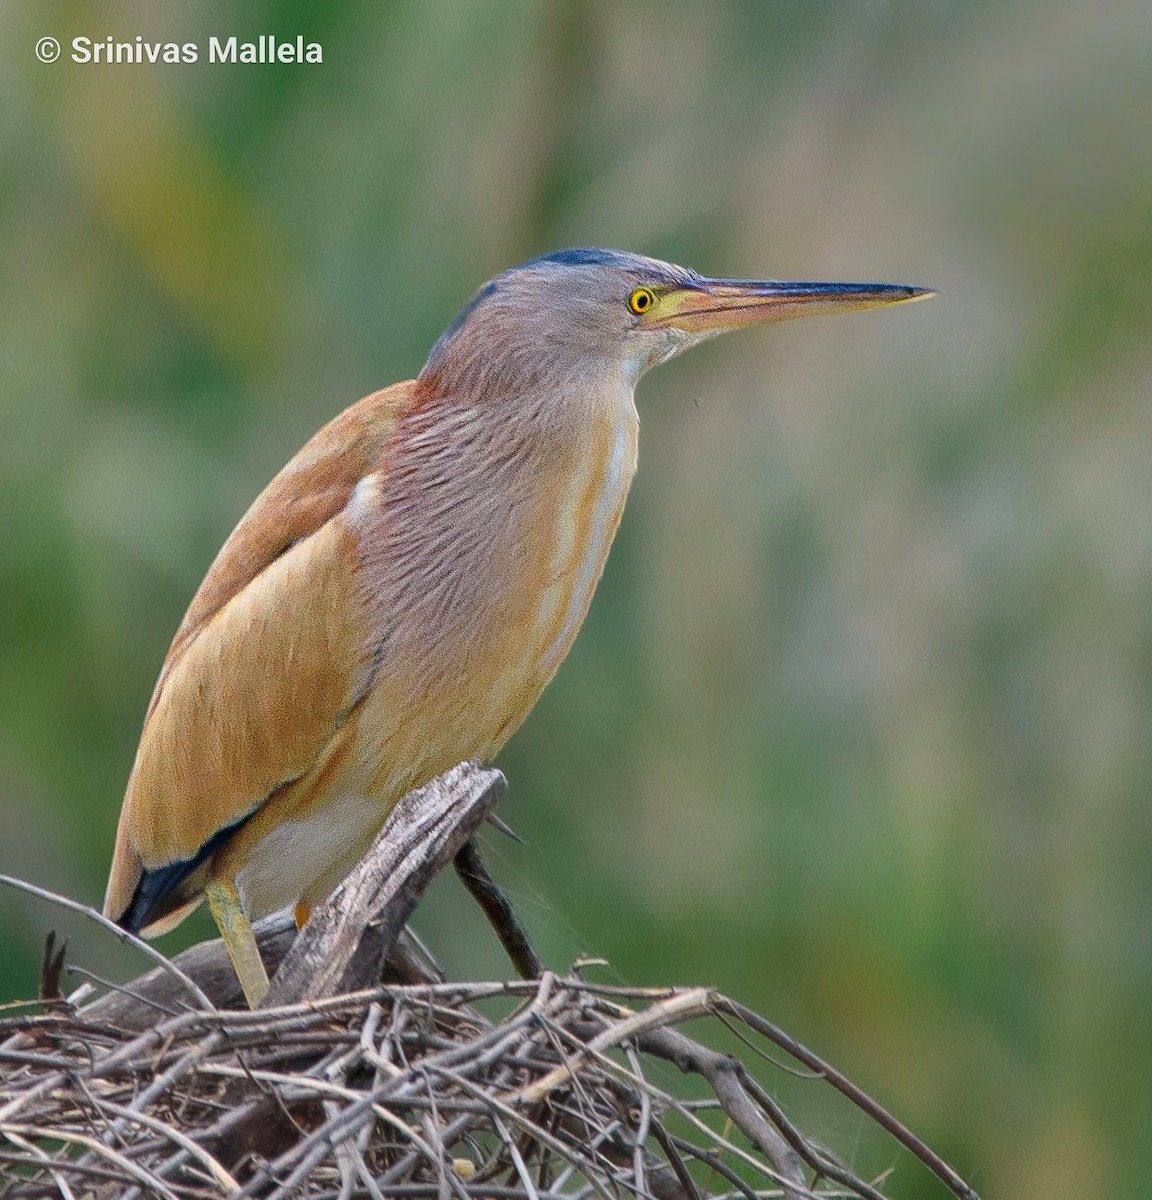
(641, 300)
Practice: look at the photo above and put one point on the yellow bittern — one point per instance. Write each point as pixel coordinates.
(398, 596)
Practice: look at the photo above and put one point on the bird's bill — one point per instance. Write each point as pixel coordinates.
(715, 305)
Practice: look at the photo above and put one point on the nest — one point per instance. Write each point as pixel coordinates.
(538, 1089)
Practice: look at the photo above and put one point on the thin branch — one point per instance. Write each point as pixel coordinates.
(892, 1125)
(80, 1139)
(348, 1087)
(681, 1007)
(500, 913)
(129, 939)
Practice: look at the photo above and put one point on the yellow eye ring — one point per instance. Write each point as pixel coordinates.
(641, 300)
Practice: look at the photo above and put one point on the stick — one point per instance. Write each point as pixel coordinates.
(500, 913)
(345, 942)
(129, 939)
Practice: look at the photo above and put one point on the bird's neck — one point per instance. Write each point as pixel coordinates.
(515, 395)
(505, 489)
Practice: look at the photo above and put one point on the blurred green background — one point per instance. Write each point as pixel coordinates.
(858, 728)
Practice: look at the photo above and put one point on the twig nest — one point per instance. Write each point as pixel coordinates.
(550, 1088)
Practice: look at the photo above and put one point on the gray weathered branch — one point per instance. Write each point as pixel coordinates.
(346, 941)
(365, 1073)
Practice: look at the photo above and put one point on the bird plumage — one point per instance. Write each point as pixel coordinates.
(398, 596)
(393, 602)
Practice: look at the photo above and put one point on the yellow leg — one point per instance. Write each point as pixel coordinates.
(303, 912)
(239, 940)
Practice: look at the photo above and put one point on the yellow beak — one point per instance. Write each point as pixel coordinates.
(715, 305)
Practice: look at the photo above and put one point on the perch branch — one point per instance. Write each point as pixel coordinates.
(345, 943)
(346, 1083)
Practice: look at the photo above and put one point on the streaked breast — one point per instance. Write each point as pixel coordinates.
(585, 523)
(490, 543)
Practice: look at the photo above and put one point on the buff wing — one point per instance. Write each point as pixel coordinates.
(265, 666)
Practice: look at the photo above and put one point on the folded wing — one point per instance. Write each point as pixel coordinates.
(261, 673)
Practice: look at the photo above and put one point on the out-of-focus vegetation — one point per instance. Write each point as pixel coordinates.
(859, 725)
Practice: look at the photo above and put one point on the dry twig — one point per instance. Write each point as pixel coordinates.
(409, 1086)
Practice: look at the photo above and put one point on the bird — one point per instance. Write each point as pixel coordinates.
(397, 598)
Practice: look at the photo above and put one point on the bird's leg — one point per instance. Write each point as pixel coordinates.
(239, 940)
(500, 913)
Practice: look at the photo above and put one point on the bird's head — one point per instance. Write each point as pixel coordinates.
(594, 314)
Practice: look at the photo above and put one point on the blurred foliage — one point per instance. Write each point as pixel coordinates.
(858, 726)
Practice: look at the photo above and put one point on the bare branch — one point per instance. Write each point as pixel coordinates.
(345, 943)
(366, 1074)
(129, 939)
